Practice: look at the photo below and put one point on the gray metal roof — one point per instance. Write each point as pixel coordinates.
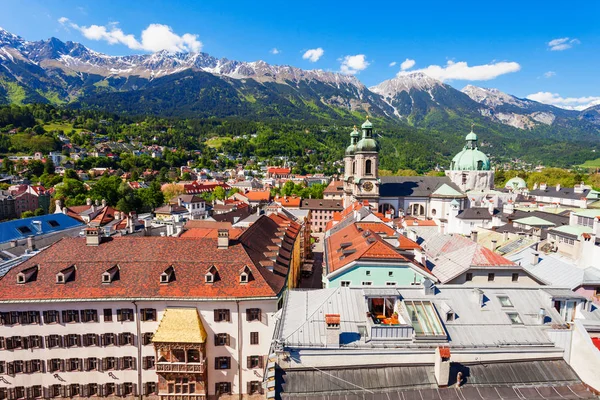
(563, 193)
(413, 186)
(303, 317)
(377, 379)
(556, 270)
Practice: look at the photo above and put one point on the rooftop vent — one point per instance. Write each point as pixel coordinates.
(211, 275)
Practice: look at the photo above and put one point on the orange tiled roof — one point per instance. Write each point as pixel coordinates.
(377, 227)
(279, 171)
(405, 243)
(357, 245)
(289, 201)
(420, 222)
(261, 195)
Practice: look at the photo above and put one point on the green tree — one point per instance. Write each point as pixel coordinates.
(27, 214)
(219, 193)
(49, 166)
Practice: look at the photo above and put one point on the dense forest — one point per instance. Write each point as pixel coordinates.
(26, 129)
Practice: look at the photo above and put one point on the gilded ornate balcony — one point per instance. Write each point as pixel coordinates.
(195, 368)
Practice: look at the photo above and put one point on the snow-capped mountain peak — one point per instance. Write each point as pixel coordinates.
(404, 83)
(492, 97)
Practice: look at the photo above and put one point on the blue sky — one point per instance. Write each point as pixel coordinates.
(509, 40)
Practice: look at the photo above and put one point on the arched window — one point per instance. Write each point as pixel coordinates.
(479, 165)
(353, 167)
(368, 167)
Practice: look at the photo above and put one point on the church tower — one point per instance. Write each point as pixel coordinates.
(366, 159)
(350, 167)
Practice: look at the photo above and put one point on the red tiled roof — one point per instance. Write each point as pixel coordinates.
(279, 171)
(143, 259)
(212, 233)
(405, 243)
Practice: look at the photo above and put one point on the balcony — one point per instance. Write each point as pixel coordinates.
(194, 368)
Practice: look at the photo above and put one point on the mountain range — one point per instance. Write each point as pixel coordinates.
(197, 84)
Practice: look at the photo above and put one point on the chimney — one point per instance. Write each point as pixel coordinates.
(558, 187)
(441, 368)
(223, 239)
(474, 236)
(478, 296)
(428, 287)
(103, 202)
(493, 244)
(169, 230)
(508, 208)
(541, 317)
(412, 235)
(543, 186)
(64, 210)
(31, 243)
(59, 207)
(92, 236)
(332, 330)
(88, 202)
(491, 208)
(179, 201)
(505, 236)
(97, 202)
(535, 258)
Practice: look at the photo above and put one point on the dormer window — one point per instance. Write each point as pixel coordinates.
(66, 275)
(245, 275)
(212, 275)
(27, 275)
(168, 275)
(111, 274)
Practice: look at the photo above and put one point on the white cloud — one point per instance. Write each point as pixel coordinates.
(352, 65)
(275, 50)
(393, 63)
(154, 38)
(561, 44)
(570, 103)
(549, 74)
(313, 55)
(462, 71)
(407, 64)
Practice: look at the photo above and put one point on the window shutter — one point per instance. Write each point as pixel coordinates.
(45, 314)
(102, 341)
(119, 389)
(216, 339)
(64, 315)
(249, 387)
(85, 340)
(27, 367)
(228, 340)
(134, 363)
(103, 364)
(135, 389)
(100, 390)
(61, 342)
(81, 364)
(9, 343)
(249, 363)
(217, 316)
(85, 390)
(11, 393)
(228, 314)
(228, 362)
(62, 365)
(96, 316)
(145, 363)
(261, 361)
(120, 339)
(143, 314)
(78, 340)
(25, 342)
(216, 363)
(145, 389)
(67, 391)
(119, 315)
(260, 389)
(261, 317)
(45, 392)
(49, 365)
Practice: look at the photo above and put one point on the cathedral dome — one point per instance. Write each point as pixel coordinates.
(367, 124)
(470, 158)
(516, 183)
(350, 150)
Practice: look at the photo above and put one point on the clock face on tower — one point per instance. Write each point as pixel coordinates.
(367, 186)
